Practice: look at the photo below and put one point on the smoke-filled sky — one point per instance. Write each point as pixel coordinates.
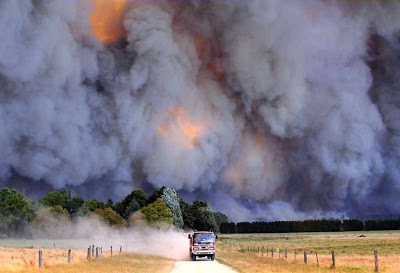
(266, 108)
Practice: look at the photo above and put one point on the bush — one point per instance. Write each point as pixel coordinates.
(137, 219)
(111, 217)
(51, 222)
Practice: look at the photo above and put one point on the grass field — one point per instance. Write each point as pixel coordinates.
(354, 251)
(24, 260)
(15, 258)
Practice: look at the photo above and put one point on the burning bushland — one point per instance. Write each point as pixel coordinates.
(271, 109)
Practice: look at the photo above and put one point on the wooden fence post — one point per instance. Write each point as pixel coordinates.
(120, 249)
(376, 261)
(69, 256)
(93, 251)
(88, 252)
(262, 251)
(316, 255)
(272, 253)
(333, 259)
(279, 251)
(258, 250)
(101, 251)
(111, 251)
(295, 254)
(285, 253)
(267, 251)
(97, 252)
(40, 259)
(305, 257)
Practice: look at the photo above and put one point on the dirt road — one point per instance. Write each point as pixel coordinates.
(201, 266)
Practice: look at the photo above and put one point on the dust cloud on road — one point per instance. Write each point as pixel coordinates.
(201, 266)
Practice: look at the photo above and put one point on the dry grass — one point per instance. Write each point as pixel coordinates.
(23, 260)
(353, 253)
(12, 258)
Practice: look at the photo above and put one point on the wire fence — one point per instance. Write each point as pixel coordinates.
(285, 253)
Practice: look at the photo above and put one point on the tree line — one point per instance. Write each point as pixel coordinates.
(321, 225)
(58, 209)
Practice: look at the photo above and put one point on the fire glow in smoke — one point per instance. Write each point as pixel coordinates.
(107, 20)
(178, 127)
(269, 109)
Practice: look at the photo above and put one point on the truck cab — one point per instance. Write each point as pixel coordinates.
(202, 244)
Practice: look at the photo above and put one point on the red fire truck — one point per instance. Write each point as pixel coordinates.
(202, 244)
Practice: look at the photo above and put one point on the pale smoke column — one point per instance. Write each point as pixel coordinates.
(286, 107)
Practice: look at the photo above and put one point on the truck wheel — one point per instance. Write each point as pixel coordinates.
(212, 257)
(193, 257)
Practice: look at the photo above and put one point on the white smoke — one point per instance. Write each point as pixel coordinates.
(304, 120)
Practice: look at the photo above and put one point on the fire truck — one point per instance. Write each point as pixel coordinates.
(202, 244)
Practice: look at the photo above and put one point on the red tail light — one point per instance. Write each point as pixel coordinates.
(195, 247)
(211, 247)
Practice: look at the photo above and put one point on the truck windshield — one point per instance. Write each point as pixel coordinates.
(203, 238)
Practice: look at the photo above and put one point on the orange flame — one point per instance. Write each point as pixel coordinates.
(107, 20)
(178, 125)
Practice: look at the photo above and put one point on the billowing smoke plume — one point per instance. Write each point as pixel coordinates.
(280, 109)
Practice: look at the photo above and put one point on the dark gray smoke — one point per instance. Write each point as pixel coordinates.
(269, 109)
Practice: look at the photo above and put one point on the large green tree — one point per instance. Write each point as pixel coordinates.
(198, 216)
(219, 219)
(170, 197)
(157, 212)
(129, 203)
(56, 198)
(92, 205)
(15, 212)
(133, 207)
(64, 199)
(187, 214)
(156, 194)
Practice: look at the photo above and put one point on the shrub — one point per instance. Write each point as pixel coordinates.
(137, 219)
(111, 217)
(51, 222)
